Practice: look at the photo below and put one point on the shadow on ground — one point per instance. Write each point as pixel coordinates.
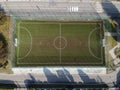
(110, 9)
(64, 76)
(61, 76)
(7, 84)
(113, 13)
(118, 80)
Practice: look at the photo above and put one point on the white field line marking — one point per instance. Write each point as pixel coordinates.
(102, 59)
(52, 23)
(18, 39)
(57, 63)
(58, 38)
(30, 43)
(101, 43)
(89, 44)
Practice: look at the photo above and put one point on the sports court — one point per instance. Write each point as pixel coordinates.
(57, 43)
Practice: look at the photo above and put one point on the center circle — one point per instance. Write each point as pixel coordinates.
(60, 42)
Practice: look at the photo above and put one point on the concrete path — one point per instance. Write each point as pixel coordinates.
(110, 34)
(60, 76)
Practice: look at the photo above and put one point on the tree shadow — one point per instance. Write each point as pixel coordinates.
(61, 76)
(65, 76)
(110, 9)
(1, 9)
(89, 82)
(31, 83)
(85, 78)
(51, 78)
(118, 80)
(7, 84)
(63, 79)
(69, 76)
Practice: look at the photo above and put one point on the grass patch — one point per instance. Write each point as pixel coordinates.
(111, 43)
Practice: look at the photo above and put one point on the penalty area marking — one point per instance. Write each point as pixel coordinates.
(30, 43)
(90, 45)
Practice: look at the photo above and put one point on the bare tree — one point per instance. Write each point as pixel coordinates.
(2, 18)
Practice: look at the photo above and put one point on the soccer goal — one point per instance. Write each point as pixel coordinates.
(16, 42)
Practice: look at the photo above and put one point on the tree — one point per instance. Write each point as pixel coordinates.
(1, 44)
(117, 52)
(2, 18)
(3, 49)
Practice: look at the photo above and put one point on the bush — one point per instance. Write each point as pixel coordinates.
(2, 18)
(1, 44)
(3, 49)
(117, 52)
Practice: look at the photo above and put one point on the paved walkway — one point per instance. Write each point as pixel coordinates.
(110, 34)
(61, 75)
(73, 70)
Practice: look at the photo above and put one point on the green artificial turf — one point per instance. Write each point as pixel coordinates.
(58, 43)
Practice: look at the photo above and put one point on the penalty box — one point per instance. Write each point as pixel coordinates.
(59, 43)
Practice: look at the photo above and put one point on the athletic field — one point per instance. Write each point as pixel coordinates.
(50, 43)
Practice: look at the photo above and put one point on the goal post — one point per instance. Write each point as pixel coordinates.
(16, 42)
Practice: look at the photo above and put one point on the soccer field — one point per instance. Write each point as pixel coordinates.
(45, 43)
